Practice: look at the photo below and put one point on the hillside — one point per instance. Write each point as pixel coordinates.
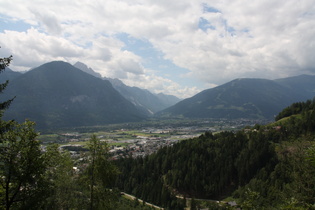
(143, 99)
(57, 95)
(245, 98)
(264, 167)
(303, 84)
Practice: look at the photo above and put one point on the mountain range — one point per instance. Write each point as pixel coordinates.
(57, 95)
(143, 99)
(245, 98)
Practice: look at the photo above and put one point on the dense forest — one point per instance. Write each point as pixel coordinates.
(269, 166)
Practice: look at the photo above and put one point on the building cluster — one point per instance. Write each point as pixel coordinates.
(141, 147)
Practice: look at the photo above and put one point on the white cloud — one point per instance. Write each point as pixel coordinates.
(263, 38)
(32, 48)
(159, 84)
(49, 21)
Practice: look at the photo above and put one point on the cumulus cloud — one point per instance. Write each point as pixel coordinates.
(159, 84)
(49, 21)
(261, 39)
(32, 48)
(216, 41)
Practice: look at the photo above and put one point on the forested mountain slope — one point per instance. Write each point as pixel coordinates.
(57, 95)
(245, 98)
(303, 84)
(265, 167)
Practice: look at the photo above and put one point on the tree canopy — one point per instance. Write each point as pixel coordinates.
(261, 167)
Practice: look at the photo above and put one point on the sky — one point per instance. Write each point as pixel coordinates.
(175, 47)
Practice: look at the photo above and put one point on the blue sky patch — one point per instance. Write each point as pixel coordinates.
(12, 25)
(205, 24)
(154, 59)
(207, 9)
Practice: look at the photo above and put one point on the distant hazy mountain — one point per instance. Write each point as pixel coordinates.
(58, 95)
(8, 74)
(245, 98)
(303, 84)
(168, 99)
(143, 99)
(86, 69)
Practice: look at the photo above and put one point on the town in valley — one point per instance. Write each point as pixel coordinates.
(140, 139)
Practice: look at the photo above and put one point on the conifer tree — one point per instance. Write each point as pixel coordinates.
(4, 126)
(100, 174)
(4, 62)
(60, 177)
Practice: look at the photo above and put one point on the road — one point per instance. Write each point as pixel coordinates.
(141, 201)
